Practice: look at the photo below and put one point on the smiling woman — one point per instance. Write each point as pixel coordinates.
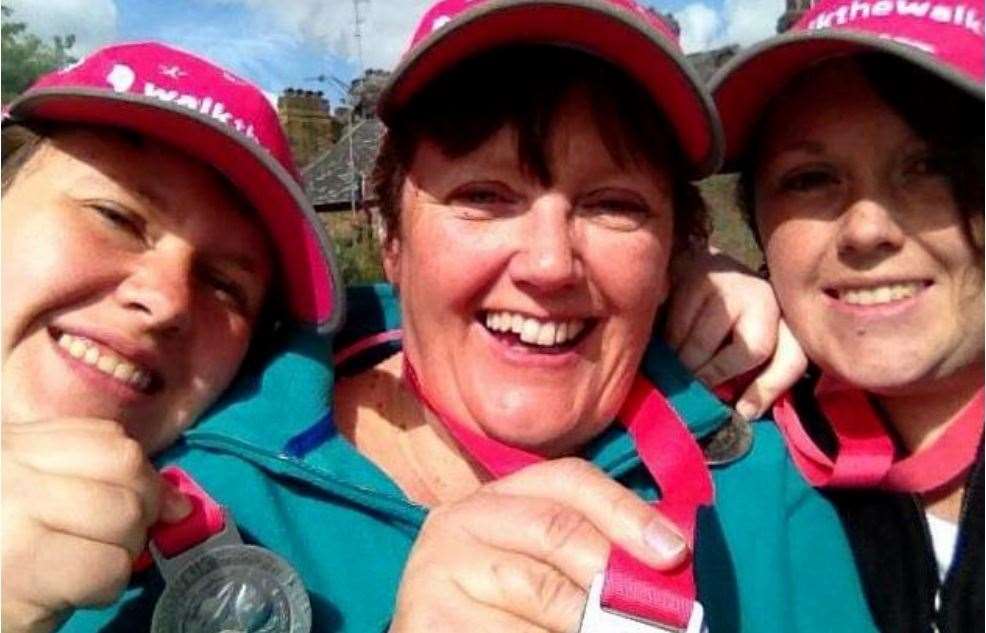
(118, 235)
(141, 244)
(861, 144)
(541, 222)
(496, 437)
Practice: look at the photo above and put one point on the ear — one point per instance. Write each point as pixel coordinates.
(392, 259)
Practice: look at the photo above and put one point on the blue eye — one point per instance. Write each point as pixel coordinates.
(484, 200)
(619, 211)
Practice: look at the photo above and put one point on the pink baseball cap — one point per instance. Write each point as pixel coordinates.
(622, 32)
(218, 118)
(944, 37)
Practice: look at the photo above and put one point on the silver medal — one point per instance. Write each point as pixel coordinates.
(729, 442)
(224, 586)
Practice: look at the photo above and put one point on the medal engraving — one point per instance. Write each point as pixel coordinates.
(224, 586)
(729, 442)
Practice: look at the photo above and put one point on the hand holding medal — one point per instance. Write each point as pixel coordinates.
(100, 495)
(214, 582)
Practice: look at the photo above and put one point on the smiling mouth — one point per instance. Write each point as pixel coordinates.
(106, 361)
(544, 336)
(880, 294)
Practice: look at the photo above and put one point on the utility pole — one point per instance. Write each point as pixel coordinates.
(358, 32)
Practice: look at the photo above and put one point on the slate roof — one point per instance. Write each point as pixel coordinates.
(328, 178)
(708, 62)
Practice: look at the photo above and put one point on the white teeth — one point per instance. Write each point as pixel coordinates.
(529, 333)
(92, 355)
(105, 361)
(879, 294)
(547, 334)
(533, 331)
(561, 334)
(516, 323)
(77, 349)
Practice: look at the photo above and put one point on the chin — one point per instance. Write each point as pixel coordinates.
(883, 378)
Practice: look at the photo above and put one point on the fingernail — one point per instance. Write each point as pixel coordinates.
(665, 542)
(175, 506)
(746, 409)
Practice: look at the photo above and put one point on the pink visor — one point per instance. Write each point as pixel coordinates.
(944, 37)
(219, 119)
(628, 35)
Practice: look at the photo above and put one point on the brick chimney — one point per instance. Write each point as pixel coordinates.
(308, 122)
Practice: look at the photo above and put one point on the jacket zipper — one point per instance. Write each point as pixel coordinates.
(929, 546)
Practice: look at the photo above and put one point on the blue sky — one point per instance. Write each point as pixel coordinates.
(284, 43)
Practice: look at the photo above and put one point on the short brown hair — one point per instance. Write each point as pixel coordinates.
(523, 87)
(20, 144)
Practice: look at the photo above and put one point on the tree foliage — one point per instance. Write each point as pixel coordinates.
(25, 56)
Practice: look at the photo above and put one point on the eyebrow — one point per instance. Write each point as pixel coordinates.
(810, 147)
(241, 261)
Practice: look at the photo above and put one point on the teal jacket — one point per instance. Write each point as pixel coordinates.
(771, 555)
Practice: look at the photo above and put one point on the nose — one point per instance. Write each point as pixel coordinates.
(160, 289)
(869, 228)
(546, 258)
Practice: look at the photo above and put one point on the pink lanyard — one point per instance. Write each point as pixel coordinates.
(674, 460)
(206, 519)
(865, 457)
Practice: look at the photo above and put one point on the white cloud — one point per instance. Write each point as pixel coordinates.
(93, 22)
(748, 21)
(700, 25)
(736, 22)
(386, 25)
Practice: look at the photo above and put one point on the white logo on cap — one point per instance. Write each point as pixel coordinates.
(958, 14)
(439, 22)
(121, 78)
(172, 71)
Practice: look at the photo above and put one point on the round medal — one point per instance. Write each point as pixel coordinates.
(233, 589)
(729, 442)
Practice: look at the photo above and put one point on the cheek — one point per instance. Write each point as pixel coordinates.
(630, 271)
(445, 263)
(37, 280)
(216, 355)
(793, 251)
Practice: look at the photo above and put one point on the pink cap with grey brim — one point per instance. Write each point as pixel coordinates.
(622, 32)
(218, 118)
(944, 37)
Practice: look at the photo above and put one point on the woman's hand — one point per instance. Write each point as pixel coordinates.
(724, 322)
(78, 497)
(519, 554)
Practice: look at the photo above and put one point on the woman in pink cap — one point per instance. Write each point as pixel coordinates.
(859, 137)
(496, 439)
(153, 230)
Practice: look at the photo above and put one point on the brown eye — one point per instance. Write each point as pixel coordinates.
(927, 164)
(806, 181)
(227, 289)
(120, 219)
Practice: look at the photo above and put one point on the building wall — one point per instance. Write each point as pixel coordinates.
(308, 122)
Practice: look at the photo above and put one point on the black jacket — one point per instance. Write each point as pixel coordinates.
(892, 546)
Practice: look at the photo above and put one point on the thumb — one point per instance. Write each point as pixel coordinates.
(175, 505)
(786, 367)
